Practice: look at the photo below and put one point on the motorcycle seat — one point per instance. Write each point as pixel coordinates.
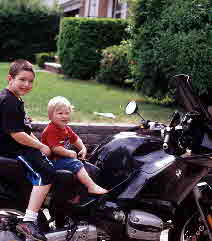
(4, 161)
(64, 176)
(12, 169)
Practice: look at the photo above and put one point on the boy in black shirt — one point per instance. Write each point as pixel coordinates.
(17, 141)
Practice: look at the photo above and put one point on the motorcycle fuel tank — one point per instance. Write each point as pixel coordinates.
(125, 151)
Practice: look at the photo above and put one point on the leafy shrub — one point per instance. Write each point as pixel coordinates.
(41, 58)
(81, 40)
(114, 67)
(172, 37)
(165, 101)
(26, 30)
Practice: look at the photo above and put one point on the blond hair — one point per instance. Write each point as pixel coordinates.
(56, 103)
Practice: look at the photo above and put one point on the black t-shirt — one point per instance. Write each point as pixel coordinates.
(12, 119)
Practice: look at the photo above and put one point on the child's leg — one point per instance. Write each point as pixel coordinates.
(77, 167)
(84, 178)
(29, 227)
(37, 197)
(43, 174)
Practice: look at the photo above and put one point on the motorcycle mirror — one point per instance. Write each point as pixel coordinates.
(131, 108)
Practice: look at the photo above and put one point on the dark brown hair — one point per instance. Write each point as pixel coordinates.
(20, 65)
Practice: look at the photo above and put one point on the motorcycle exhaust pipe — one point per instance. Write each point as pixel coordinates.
(85, 232)
(54, 236)
(57, 236)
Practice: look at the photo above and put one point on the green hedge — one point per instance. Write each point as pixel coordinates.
(172, 37)
(81, 40)
(25, 31)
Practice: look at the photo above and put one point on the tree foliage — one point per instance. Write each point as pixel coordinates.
(27, 27)
(172, 37)
(33, 4)
(81, 40)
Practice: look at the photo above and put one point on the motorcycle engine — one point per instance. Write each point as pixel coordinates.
(144, 226)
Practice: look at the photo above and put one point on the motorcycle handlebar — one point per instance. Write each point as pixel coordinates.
(136, 128)
(149, 127)
(166, 138)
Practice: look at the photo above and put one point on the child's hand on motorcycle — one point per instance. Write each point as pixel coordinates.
(73, 154)
(82, 153)
(45, 150)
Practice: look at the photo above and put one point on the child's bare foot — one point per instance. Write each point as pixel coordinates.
(95, 189)
(75, 200)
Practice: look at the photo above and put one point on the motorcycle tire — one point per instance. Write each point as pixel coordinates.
(188, 228)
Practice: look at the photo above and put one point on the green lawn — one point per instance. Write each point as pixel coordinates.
(87, 97)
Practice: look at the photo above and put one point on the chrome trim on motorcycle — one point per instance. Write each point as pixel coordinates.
(83, 232)
(144, 226)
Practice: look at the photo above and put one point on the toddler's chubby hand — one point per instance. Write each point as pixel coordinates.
(45, 150)
(73, 154)
(82, 154)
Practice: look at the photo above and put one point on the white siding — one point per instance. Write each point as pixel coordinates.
(110, 9)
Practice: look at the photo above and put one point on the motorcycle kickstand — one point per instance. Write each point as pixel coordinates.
(72, 227)
(197, 195)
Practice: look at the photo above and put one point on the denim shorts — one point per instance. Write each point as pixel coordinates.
(71, 164)
(36, 179)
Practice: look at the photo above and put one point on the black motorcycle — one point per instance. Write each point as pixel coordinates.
(155, 183)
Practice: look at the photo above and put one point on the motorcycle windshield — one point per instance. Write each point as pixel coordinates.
(187, 99)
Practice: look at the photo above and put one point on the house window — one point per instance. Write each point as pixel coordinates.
(92, 8)
(120, 9)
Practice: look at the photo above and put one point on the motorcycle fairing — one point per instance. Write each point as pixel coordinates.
(199, 160)
(174, 182)
(155, 161)
(186, 97)
(168, 186)
(153, 164)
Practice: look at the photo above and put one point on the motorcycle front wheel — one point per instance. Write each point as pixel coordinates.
(189, 229)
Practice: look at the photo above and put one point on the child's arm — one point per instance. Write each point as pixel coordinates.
(27, 140)
(61, 151)
(33, 136)
(80, 146)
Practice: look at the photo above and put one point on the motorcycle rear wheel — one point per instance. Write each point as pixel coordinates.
(188, 229)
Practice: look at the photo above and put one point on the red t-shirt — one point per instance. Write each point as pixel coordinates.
(53, 136)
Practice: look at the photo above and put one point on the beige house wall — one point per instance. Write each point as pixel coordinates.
(93, 8)
(103, 7)
(82, 8)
